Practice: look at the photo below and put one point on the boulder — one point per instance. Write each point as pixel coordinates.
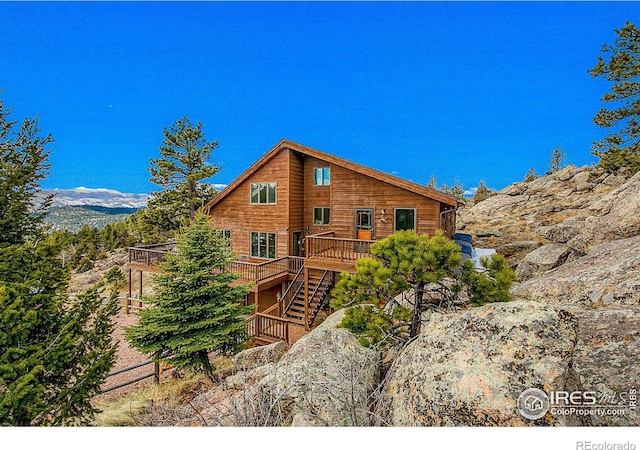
(609, 273)
(564, 232)
(606, 361)
(616, 215)
(259, 356)
(517, 247)
(469, 369)
(327, 376)
(541, 260)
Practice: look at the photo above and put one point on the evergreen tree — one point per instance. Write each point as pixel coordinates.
(430, 268)
(180, 171)
(482, 193)
(457, 190)
(23, 164)
(54, 353)
(531, 175)
(621, 147)
(557, 160)
(197, 309)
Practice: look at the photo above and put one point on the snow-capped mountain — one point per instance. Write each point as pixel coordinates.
(107, 198)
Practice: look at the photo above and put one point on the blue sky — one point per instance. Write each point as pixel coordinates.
(466, 90)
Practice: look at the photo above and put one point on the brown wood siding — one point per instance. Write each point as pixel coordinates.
(316, 196)
(351, 190)
(236, 213)
(296, 196)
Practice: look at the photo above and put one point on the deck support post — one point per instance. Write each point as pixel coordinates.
(126, 308)
(306, 298)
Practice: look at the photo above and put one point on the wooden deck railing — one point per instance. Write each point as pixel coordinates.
(270, 327)
(327, 246)
(150, 255)
(262, 271)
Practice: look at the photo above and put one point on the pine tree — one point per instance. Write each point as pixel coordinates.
(482, 193)
(621, 147)
(531, 175)
(197, 309)
(430, 268)
(557, 160)
(54, 353)
(23, 164)
(180, 171)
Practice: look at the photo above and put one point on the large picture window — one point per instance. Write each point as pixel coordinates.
(263, 193)
(263, 244)
(322, 176)
(405, 219)
(321, 216)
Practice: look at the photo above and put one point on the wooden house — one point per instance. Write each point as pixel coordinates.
(298, 217)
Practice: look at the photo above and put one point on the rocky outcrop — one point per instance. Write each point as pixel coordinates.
(469, 369)
(326, 378)
(541, 260)
(606, 361)
(259, 356)
(608, 275)
(616, 215)
(579, 207)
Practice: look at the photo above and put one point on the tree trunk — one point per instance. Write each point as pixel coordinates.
(206, 366)
(417, 310)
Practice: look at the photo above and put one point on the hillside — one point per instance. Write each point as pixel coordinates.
(72, 218)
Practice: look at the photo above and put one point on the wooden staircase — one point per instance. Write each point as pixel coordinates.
(269, 327)
(318, 286)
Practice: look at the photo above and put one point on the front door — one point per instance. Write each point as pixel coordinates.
(297, 249)
(364, 224)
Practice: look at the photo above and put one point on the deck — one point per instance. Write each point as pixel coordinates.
(324, 252)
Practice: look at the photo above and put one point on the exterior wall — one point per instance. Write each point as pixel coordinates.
(316, 196)
(350, 190)
(236, 213)
(268, 298)
(296, 197)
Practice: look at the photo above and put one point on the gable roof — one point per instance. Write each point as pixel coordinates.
(373, 173)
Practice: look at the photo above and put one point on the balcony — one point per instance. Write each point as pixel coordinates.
(324, 251)
(148, 257)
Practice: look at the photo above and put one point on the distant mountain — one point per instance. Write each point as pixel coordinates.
(73, 208)
(72, 218)
(108, 198)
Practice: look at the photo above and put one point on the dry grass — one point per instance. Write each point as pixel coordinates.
(151, 404)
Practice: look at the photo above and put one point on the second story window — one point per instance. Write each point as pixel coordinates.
(263, 193)
(322, 176)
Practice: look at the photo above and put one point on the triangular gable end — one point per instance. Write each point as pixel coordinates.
(373, 173)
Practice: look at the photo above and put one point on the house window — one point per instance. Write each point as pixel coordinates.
(226, 234)
(405, 219)
(263, 244)
(322, 176)
(321, 216)
(263, 193)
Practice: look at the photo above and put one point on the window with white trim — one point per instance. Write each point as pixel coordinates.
(321, 216)
(263, 244)
(263, 193)
(321, 176)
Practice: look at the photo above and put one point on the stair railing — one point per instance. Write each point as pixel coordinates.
(315, 300)
(292, 292)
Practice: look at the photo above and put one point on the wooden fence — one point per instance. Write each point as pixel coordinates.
(155, 374)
